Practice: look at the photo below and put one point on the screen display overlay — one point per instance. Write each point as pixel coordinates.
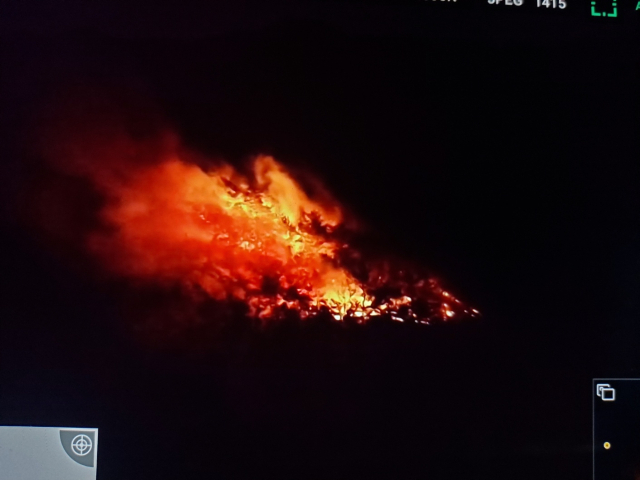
(48, 453)
(616, 421)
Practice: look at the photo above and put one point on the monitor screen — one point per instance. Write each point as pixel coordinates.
(320, 239)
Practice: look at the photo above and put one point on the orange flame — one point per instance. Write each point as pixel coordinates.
(259, 237)
(225, 234)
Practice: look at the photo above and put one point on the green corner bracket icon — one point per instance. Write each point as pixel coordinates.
(613, 13)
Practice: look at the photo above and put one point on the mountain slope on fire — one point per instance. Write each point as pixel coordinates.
(169, 218)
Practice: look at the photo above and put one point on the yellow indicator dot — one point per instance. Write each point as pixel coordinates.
(607, 445)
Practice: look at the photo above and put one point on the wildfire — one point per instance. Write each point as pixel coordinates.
(256, 237)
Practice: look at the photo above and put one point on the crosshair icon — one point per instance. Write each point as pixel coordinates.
(81, 445)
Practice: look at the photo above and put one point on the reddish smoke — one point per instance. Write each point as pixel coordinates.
(163, 215)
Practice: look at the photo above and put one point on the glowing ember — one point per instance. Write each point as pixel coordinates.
(258, 238)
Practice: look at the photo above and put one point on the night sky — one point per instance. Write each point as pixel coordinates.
(499, 149)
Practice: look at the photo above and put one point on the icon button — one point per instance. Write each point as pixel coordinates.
(606, 392)
(611, 10)
(81, 445)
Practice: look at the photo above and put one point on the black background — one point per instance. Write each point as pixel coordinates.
(497, 148)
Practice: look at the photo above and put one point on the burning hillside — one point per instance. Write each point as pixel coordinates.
(168, 218)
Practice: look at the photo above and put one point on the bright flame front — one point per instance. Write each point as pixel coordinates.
(256, 237)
